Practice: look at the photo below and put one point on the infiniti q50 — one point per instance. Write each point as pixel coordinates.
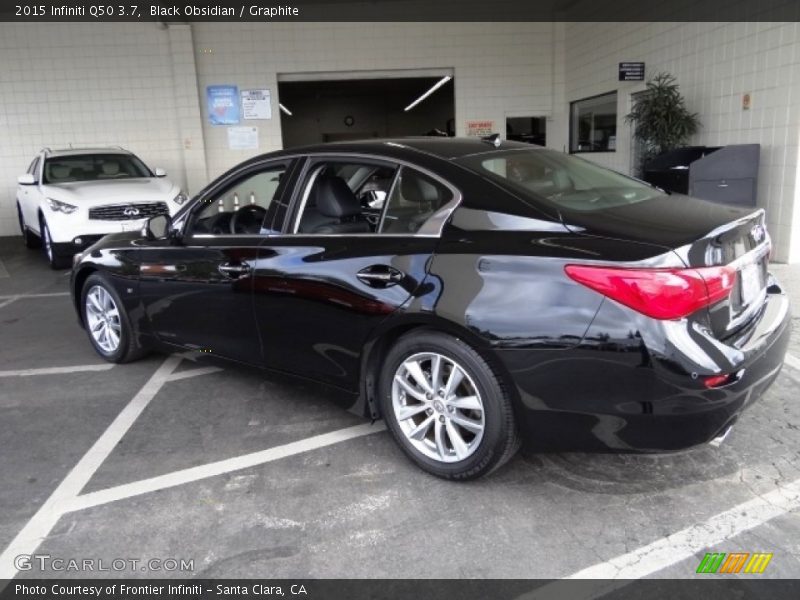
(473, 294)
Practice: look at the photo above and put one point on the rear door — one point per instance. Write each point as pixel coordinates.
(319, 295)
(199, 293)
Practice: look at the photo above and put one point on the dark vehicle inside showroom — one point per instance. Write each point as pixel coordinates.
(472, 293)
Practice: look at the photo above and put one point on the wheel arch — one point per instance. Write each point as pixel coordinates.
(381, 341)
(78, 281)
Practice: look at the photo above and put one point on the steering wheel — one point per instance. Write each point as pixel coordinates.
(248, 219)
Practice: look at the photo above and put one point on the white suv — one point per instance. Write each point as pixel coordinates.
(69, 199)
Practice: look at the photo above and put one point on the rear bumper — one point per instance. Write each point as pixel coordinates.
(623, 391)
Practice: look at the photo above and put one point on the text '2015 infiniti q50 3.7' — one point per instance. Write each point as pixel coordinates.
(473, 295)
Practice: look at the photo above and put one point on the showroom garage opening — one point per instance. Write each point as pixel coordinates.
(330, 107)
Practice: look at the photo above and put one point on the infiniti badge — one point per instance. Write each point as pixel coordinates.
(131, 211)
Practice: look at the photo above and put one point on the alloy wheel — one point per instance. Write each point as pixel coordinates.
(438, 407)
(102, 319)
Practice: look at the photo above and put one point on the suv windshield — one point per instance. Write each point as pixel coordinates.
(565, 181)
(93, 167)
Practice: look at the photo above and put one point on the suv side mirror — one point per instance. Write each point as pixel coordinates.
(160, 172)
(157, 227)
(26, 179)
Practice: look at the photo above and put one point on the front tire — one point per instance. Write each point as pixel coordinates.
(446, 407)
(55, 261)
(107, 322)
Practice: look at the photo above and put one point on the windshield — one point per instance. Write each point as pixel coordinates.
(565, 181)
(93, 167)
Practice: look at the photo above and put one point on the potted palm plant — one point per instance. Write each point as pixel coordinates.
(660, 118)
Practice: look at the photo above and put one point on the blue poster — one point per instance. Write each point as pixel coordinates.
(223, 104)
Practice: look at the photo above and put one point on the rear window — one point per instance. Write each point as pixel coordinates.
(93, 167)
(565, 181)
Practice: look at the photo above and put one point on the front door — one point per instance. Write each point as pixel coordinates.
(198, 293)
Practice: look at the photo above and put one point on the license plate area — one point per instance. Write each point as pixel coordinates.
(752, 281)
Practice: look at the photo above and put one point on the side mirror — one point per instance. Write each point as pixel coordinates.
(160, 172)
(27, 179)
(157, 227)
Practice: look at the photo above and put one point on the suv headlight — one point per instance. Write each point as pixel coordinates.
(62, 207)
(180, 198)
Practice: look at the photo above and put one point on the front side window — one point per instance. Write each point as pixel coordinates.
(241, 208)
(593, 124)
(566, 182)
(33, 168)
(93, 167)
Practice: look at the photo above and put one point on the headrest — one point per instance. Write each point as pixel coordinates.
(110, 167)
(334, 198)
(416, 189)
(59, 171)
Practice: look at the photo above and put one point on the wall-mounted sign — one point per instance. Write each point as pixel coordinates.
(631, 71)
(480, 128)
(223, 104)
(243, 138)
(256, 104)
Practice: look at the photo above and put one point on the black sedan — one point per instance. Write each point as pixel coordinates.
(472, 293)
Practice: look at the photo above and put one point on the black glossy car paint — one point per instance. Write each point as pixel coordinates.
(585, 372)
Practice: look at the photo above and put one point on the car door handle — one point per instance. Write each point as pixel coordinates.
(234, 270)
(380, 276)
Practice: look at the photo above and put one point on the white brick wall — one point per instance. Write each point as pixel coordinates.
(500, 68)
(715, 64)
(84, 84)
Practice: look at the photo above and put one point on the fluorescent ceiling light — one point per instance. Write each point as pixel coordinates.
(284, 109)
(435, 87)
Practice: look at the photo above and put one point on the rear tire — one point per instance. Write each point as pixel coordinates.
(107, 323)
(28, 237)
(446, 407)
(55, 261)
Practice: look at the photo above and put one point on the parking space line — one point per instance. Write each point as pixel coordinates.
(47, 295)
(680, 546)
(56, 370)
(42, 523)
(221, 467)
(6, 300)
(792, 361)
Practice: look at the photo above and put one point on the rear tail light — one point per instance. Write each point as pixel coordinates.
(658, 293)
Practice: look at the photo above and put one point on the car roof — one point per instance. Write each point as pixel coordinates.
(449, 148)
(80, 151)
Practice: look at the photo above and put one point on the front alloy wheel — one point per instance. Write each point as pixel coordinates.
(106, 321)
(446, 407)
(102, 319)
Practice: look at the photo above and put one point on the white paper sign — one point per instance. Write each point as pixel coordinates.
(243, 138)
(256, 104)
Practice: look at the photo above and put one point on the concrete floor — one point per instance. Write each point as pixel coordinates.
(355, 508)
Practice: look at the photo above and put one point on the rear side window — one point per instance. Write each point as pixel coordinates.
(414, 199)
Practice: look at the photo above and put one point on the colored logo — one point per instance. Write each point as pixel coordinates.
(734, 562)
